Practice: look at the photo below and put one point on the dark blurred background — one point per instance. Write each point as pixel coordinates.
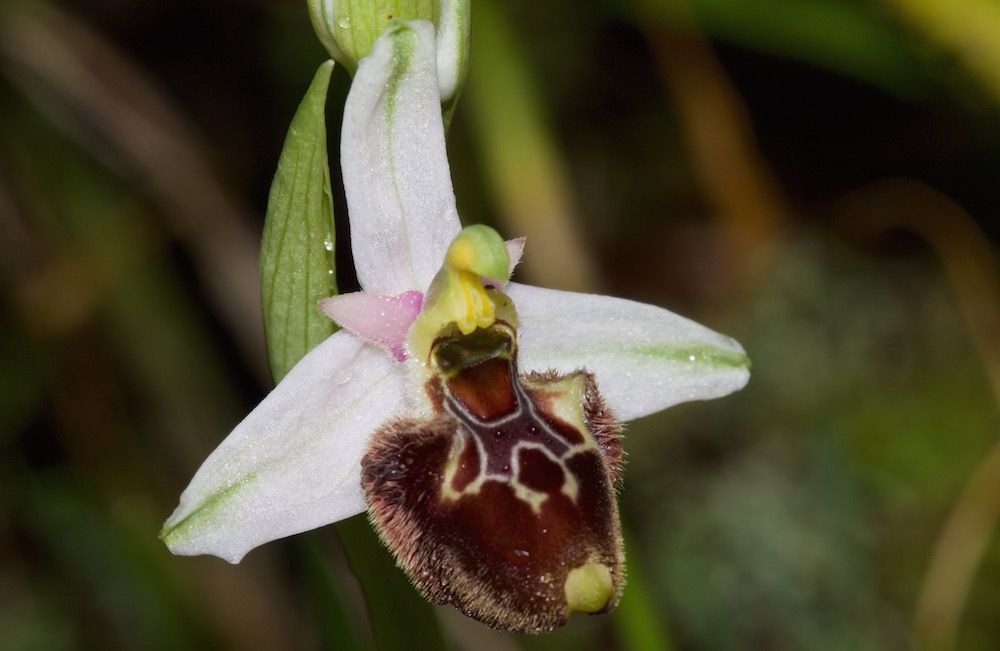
(817, 178)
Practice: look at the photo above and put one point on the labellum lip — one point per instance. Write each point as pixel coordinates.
(503, 503)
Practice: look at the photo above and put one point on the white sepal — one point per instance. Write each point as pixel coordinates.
(645, 358)
(293, 464)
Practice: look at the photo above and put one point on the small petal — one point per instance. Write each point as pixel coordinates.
(645, 358)
(293, 464)
(515, 249)
(396, 175)
(381, 320)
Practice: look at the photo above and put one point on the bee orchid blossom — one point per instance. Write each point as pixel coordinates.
(475, 419)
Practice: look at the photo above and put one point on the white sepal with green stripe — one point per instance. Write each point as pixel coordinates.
(645, 358)
(293, 464)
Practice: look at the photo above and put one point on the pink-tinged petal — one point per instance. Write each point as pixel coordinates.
(515, 249)
(645, 358)
(382, 320)
(396, 175)
(293, 464)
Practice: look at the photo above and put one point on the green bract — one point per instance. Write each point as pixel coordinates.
(296, 258)
(348, 30)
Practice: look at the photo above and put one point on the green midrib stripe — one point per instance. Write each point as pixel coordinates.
(204, 510)
(708, 356)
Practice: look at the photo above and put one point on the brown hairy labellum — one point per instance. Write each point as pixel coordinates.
(503, 503)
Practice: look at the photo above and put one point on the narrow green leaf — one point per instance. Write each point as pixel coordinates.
(296, 259)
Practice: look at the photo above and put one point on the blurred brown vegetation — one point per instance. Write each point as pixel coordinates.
(817, 178)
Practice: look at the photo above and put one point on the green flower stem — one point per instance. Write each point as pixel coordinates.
(335, 619)
(636, 621)
(401, 619)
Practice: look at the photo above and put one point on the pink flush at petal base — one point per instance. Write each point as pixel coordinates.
(382, 320)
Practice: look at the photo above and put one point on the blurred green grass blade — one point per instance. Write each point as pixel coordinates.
(401, 620)
(327, 599)
(22, 379)
(969, 29)
(297, 262)
(529, 181)
(847, 38)
(106, 564)
(637, 623)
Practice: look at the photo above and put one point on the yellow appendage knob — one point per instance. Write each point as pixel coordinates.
(589, 588)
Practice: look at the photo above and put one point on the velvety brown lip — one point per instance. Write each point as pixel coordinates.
(490, 504)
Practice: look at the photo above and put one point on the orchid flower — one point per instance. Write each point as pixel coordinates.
(475, 418)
